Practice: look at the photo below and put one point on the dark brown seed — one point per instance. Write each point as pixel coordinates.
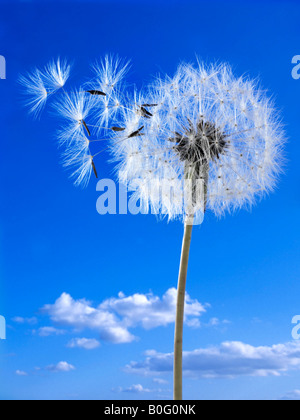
(94, 169)
(136, 133)
(117, 129)
(86, 127)
(96, 92)
(149, 105)
(146, 113)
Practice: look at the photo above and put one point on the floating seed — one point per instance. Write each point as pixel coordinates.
(86, 127)
(94, 169)
(136, 133)
(117, 129)
(146, 113)
(96, 92)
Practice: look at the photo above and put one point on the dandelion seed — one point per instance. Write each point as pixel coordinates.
(117, 129)
(136, 133)
(146, 113)
(40, 84)
(56, 75)
(36, 92)
(96, 93)
(109, 76)
(86, 127)
(94, 169)
(74, 108)
(83, 170)
(110, 72)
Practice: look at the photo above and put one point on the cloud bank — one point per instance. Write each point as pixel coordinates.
(114, 317)
(229, 360)
(291, 396)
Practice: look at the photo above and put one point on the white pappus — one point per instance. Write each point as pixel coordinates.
(214, 139)
(40, 84)
(200, 140)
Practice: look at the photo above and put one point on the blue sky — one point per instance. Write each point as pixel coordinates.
(244, 270)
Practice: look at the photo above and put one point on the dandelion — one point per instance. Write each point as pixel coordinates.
(200, 141)
(215, 139)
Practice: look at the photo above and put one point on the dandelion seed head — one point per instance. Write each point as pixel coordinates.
(207, 126)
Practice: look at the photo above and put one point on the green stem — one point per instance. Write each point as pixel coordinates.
(180, 311)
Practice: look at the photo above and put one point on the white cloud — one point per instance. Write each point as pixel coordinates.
(160, 381)
(22, 321)
(212, 323)
(292, 396)
(84, 343)
(60, 367)
(193, 323)
(230, 359)
(139, 389)
(150, 311)
(21, 373)
(216, 322)
(135, 389)
(113, 318)
(81, 315)
(48, 331)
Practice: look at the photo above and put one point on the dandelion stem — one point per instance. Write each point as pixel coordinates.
(180, 310)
